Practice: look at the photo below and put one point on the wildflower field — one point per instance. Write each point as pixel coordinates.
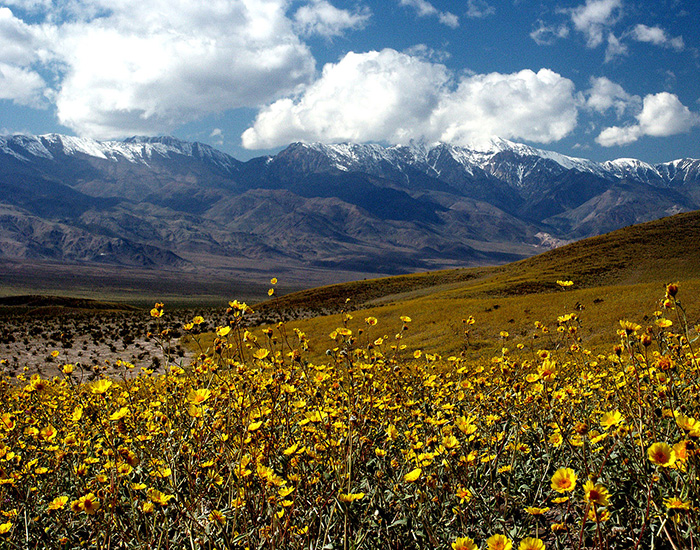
(543, 444)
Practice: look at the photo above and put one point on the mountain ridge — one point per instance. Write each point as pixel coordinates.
(355, 209)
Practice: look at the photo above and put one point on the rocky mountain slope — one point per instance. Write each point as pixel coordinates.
(357, 209)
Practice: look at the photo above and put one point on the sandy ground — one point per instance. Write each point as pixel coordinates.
(94, 343)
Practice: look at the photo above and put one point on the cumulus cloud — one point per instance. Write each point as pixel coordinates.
(539, 107)
(662, 115)
(18, 41)
(21, 86)
(322, 18)
(373, 96)
(392, 96)
(657, 36)
(150, 66)
(604, 95)
(594, 17)
(134, 67)
(426, 9)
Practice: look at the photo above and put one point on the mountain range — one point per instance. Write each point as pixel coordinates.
(316, 212)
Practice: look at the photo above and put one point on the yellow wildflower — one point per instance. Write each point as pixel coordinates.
(564, 480)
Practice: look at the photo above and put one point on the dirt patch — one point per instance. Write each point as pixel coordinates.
(43, 340)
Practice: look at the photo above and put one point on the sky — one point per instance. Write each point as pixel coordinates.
(600, 79)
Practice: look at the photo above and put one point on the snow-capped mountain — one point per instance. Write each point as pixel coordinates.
(513, 162)
(138, 150)
(363, 208)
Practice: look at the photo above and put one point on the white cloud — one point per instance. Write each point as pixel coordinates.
(426, 9)
(615, 48)
(594, 17)
(217, 135)
(616, 135)
(479, 8)
(604, 94)
(546, 35)
(21, 86)
(539, 107)
(371, 96)
(449, 19)
(657, 36)
(322, 18)
(134, 67)
(18, 41)
(662, 115)
(394, 97)
(29, 5)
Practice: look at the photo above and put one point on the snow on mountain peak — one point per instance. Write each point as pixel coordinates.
(137, 149)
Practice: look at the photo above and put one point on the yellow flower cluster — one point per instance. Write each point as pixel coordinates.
(256, 446)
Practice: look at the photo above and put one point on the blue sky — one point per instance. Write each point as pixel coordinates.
(600, 79)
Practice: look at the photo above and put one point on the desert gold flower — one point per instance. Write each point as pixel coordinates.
(261, 353)
(5, 527)
(161, 498)
(535, 511)
(610, 419)
(58, 503)
(531, 543)
(48, 433)
(7, 421)
(157, 310)
(687, 423)
(89, 503)
(598, 514)
(464, 543)
(661, 454)
(596, 494)
(291, 449)
(101, 386)
(121, 413)
(413, 475)
(675, 503)
(499, 542)
(565, 284)
(450, 442)
(465, 495)
(217, 517)
(564, 480)
(629, 327)
(197, 397)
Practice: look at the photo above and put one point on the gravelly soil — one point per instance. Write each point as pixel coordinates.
(44, 341)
